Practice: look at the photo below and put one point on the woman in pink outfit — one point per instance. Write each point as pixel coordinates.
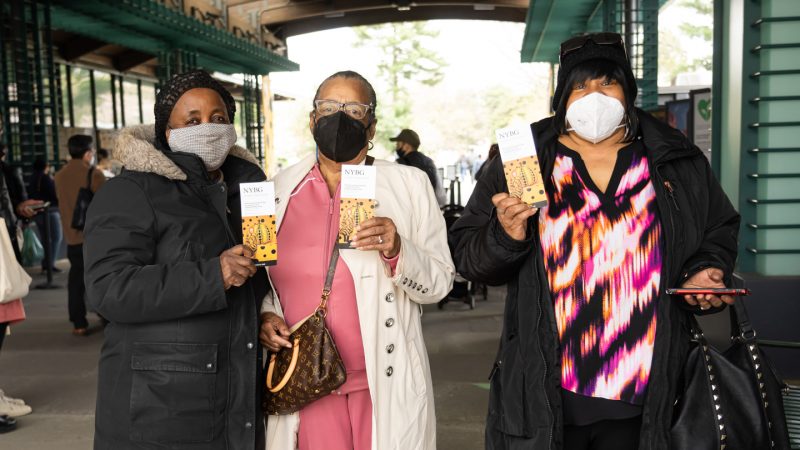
(399, 260)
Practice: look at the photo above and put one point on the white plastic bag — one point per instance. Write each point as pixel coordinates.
(14, 281)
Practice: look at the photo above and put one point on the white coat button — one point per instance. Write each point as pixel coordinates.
(389, 322)
(250, 345)
(389, 371)
(425, 291)
(390, 348)
(389, 297)
(405, 280)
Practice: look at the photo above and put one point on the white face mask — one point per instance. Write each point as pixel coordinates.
(595, 117)
(210, 141)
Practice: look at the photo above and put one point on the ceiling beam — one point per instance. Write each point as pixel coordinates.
(79, 46)
(129, 59)
(332, 9)
(376, 17)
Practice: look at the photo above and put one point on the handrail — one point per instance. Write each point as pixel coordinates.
(774, 149)
(786, 226)
(774, 98)
(763, 20)
(774, 124)
(763, 73)
(760, 47)
(764, 251)
(756, 176)
(772, 201)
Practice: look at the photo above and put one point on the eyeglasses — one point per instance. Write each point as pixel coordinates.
(355, 110)
(577, 43)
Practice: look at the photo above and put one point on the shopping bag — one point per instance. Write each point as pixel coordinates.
(32, 250)
(14, 281)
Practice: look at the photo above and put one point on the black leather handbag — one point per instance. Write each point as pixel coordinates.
(729, 400)
(85, 196)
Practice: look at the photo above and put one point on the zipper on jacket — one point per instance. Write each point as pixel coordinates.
(671, 192)
(544, 360)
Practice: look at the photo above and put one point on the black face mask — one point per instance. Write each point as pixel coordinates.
(340, 137)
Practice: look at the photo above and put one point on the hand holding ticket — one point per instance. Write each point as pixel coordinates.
(521, 165)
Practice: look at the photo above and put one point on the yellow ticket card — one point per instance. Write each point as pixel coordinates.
(357, 204)
(521, 165)
(352, 213)
(259, 233)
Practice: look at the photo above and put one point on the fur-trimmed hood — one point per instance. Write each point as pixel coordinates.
(135, 149)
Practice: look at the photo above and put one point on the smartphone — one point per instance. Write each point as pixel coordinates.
(736, 292)
(39, 206)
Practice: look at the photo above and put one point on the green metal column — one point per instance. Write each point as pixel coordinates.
(253, 116)
(638, 23)
(28, 82)
(173, 62)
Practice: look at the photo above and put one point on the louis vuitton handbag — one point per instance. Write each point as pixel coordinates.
(730, 400)
(312, 368)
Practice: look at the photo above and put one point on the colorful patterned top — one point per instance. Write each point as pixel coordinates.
(602, 253)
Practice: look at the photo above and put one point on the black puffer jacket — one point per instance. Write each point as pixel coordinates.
(700, 230)
(181, 362)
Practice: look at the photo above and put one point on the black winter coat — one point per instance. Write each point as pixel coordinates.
(181, 362)
(700, 230)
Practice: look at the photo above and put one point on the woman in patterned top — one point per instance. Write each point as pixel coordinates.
(591, 342)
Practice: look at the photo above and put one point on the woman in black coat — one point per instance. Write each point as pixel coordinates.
(592, 346)
(181, 361)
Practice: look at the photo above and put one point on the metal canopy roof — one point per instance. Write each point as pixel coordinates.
(150, 27)
(286, 19)
(551, 22)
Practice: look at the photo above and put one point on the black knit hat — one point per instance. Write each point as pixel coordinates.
(172, 91)
(591, 50)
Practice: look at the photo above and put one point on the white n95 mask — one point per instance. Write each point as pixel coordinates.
(210, 141)
(595, 116)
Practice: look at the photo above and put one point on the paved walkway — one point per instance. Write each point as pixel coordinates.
(55, 372)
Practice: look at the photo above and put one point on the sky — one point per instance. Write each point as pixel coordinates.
(477, 52)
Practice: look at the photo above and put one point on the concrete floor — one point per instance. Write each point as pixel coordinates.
(55, 372)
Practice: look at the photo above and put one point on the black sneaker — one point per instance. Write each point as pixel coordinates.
(7, 424)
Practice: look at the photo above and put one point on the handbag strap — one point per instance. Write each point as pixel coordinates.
(322, 309)
(326, 290)
(89, 178)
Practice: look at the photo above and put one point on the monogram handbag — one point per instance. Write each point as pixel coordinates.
(312, 368)
(729, 400)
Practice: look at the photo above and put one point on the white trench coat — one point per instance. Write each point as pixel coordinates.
(389, 308)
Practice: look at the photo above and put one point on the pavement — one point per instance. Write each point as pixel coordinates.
(56, 373)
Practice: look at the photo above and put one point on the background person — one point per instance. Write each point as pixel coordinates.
(19, 205)
(399, 261)
(180, 367)
(104, 163)
(494, 152)
(590, 339)
(407, 147)
(43, 187)
(10, 312)
(69, 180)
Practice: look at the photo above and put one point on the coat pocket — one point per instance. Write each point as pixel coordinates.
(507, 398)
(172, 392)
